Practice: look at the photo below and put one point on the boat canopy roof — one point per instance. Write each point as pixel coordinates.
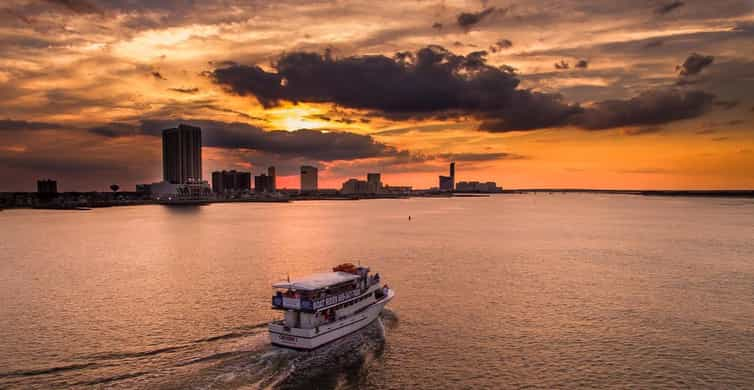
(317, 281)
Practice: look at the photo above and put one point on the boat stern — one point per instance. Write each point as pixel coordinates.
(283, 336)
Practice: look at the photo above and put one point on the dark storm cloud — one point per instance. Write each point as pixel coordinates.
(434, 82)
(313, 144)
(431, 82)
(694, 64)
(14, 15)
(19, 125)
(648, 108)
(432, 128)
(642, 130)
(528, 110)
(185, 90)
(474, 157)
(502, 44)
(466, 20)
(337, 118)
(735, 122)
(158, 75)
(562, 65)
(727, 104)
(666, 8)
(582, 64)
(77, 6)
(116, 129)
(193, 108)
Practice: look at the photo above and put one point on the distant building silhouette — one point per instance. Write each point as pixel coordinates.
(265, 182)
(309, 179)
(193, 190)
(475, 186)
(447, 183)
(182, 154)
(261, 183)
(47, 186)
(272, 187)
(453, 175)
(374, 183)
(397, 190)
(354, 186)
(232, 181)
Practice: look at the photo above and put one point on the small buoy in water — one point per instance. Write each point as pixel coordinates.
(409, 217)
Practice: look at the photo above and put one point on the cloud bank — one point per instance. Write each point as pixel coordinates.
(436, 83)
(313, 144)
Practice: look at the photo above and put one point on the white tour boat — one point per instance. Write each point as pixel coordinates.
(324, 307)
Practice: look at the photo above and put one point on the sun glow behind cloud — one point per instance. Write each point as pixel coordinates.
(295, 117)
(150, 61)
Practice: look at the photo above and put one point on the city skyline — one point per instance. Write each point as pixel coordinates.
(627, 95)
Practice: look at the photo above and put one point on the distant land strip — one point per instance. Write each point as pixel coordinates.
(698, 193)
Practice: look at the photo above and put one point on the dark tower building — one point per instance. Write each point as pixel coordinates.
(272, 184)
(182, 154)
(448, 183)
(452, 175)
(308, 179)
(260, 183)
(47, 186)
(264, 183)
(374, 183)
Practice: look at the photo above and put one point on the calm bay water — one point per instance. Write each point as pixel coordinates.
(510, 291)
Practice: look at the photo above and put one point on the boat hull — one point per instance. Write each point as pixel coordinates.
(309, 339)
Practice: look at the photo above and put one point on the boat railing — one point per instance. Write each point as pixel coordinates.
(307, 304)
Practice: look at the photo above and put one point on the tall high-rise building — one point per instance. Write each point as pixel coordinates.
(453, 175)
(272, 186)
(182, 154)
(374, 184)
(308, 178)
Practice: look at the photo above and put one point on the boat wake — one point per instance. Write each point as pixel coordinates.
(240, 359)
(341, 363)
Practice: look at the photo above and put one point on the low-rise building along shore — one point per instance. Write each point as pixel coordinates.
(94, 199)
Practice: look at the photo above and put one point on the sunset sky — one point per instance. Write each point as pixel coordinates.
(579, 94)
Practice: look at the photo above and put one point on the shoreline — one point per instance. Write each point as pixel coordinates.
(32, 201)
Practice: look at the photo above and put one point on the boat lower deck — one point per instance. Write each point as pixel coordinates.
(306, 339)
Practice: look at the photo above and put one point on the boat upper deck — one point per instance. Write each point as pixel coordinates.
(317, 281)
(323, 290)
